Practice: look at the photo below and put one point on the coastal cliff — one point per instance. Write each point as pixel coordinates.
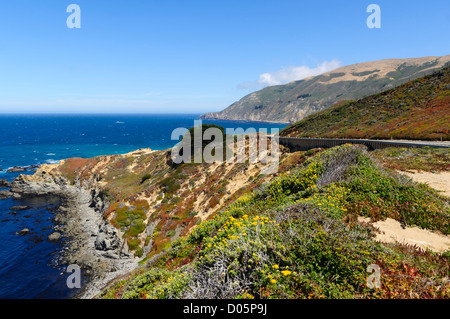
(121, 210)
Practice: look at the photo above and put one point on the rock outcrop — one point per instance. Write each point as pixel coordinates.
(92, 243)
(5, 194)
(4, 183)
(54, 237)
(19, 208)
(24, 231)
(107, 239)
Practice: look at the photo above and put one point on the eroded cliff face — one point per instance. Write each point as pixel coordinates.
(92, 243)
(142, 202)
(46, 180)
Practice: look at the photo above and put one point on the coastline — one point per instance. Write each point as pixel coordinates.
(83, 228)
(91, 243)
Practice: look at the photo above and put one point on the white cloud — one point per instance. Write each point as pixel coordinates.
(289, 74)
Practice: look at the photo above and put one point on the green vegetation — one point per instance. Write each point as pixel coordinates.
(416, 110)
(364, 73)
(131, 220)
(379, 194)
(170, 233)
(416, 159)
(298, 237)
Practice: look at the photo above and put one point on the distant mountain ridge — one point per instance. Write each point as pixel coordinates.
(417, 110)
(294, 101)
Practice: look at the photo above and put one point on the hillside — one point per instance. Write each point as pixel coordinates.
(296, 100)
(419, 109)
(223, 230)
(301, 236)
(145, 201)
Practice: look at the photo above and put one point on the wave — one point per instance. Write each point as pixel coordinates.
(51, 161)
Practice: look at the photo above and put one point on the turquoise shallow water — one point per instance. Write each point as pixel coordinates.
(28, 264)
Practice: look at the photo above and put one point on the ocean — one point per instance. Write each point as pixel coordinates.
(29, 265)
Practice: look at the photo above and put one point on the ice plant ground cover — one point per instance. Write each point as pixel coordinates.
(298, 237)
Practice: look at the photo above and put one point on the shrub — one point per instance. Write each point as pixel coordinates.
(299, 245)
(145, 177)
(170, 233)
(139, 252)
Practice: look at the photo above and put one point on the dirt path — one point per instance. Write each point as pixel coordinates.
(392, 231)
(439, 181)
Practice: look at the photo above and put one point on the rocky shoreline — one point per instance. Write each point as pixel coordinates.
(90, 242)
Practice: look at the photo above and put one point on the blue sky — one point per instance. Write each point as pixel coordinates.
(193, 56)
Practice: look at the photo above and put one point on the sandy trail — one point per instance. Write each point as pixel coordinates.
(392, 231)
(439, 181)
